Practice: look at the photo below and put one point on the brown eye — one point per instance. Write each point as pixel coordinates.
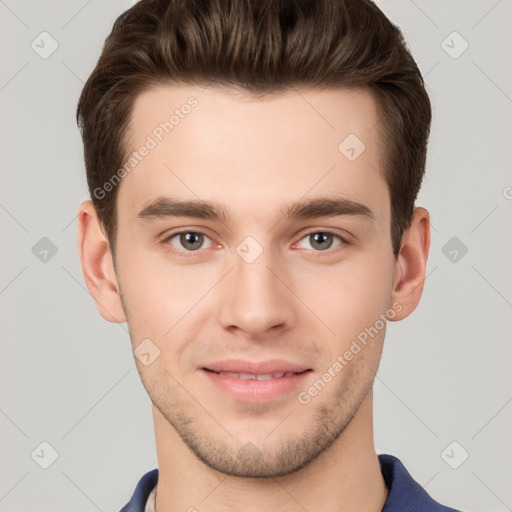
(187, 241)
(191, 241)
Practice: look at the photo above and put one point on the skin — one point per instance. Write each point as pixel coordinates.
(294, 302)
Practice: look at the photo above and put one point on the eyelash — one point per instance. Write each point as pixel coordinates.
(187, 254)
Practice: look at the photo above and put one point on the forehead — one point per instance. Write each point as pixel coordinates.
(320, 111)
(218, 144)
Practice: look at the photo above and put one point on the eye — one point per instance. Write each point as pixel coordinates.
(322, 240)
(188, 240)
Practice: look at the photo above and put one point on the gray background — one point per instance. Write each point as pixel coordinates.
(68, 377)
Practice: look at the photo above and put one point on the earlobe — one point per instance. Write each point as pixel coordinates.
(411, 264)
(97, 265)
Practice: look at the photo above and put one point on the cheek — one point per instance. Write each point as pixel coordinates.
(350, 295)
(161, 297)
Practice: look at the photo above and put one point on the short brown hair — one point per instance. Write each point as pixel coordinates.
(262, 47)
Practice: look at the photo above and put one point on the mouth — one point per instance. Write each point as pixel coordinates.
(256, 376)
(247, 381)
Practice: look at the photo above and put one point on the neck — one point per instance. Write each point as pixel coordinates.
(345, 477)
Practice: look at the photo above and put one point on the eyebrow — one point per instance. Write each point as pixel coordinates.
(166, 207)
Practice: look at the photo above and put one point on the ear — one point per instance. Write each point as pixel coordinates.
(97, 264)
(411, 264)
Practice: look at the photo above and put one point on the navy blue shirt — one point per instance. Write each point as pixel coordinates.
(405, 494)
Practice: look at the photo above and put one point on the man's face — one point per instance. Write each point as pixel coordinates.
(257, 293)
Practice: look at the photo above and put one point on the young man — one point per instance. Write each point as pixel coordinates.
(253, 168)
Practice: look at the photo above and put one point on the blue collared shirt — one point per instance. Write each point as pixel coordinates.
(405, 494)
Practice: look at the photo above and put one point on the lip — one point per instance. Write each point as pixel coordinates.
(268, 366)
(252, 390)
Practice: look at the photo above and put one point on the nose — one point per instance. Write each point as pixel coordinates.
(256, 298)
